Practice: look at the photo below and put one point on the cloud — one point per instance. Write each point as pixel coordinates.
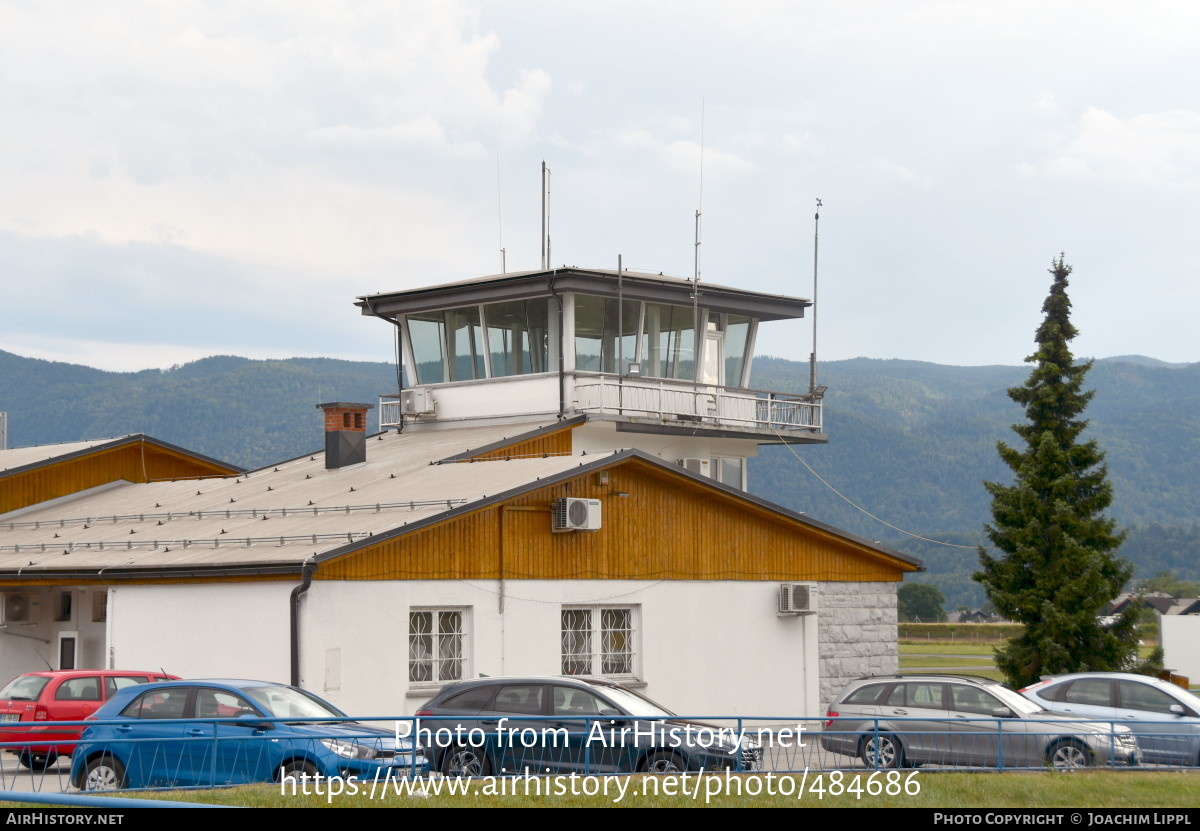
(260, 130)
(898, 172)
(683, 155)
(1156, 150)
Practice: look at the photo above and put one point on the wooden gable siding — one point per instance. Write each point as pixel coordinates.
(557, 443)
(667, 528)
(137, 461)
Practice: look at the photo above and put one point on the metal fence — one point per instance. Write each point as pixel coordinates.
(205, 753)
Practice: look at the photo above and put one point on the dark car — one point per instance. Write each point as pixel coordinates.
(252, 731)
(498, 726)
(30, 701)
(893, 721)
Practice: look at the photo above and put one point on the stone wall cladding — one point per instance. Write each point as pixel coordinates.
(856, 634)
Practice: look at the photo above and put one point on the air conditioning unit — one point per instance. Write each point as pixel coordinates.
(416, 402)
(700, 467)
(576, 514)
(16, 608)
(797, 598)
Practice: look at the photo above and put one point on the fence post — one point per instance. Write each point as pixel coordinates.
(738, 747)
(587, 747)
(999, 744)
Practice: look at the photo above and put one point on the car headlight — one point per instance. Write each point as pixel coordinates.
(350, 750)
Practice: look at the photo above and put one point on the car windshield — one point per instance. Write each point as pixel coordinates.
(634, 704)
(292, 704)
(1016, 702)
(24, 688)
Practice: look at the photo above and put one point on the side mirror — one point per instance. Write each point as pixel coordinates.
(1177, 709)
(1002, 712)
(251, 720)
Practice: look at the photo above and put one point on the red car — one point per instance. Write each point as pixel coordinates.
(57, 695)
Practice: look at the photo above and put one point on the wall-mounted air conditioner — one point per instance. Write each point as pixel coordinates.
(797, 598)
(16, 608)
(416, 402)
(700, 467)
(576, 514)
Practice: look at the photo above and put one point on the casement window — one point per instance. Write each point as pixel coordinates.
(438, 645)
(600, 640)
(729, 470)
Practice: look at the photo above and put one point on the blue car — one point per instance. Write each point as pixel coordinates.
(252, 731)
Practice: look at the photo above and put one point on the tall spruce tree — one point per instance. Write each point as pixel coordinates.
(1057, 567)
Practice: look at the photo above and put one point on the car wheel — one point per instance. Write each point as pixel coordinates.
(664, 761)
(298, 769)
(37, 761)
(1070, 754)
(465, 761)
(883, 751)
(104, 773)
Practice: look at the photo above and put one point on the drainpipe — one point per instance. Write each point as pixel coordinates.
(306, 574)
(395, 321)
(562, 351)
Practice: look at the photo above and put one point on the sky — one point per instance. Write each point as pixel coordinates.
(195, 178)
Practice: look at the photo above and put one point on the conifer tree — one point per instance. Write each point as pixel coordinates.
(1057, 565)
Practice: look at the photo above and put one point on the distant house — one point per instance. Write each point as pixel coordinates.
(560, 490)
(1179, 633)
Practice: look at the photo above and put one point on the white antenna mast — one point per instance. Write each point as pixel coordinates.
(545, 217)
(699, 204)
(812, 359)
(698, 340)
(500, 218)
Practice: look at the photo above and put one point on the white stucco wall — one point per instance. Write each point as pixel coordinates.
(219, 630)
(602, 435)
(706, 648)
(1181, 644)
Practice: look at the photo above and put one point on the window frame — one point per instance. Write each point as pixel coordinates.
(435, 659)
(596, 632)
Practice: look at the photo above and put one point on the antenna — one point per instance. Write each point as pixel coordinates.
(698, 339)
(500, 218)
(545, 216)
(812, 358)
(699, 204)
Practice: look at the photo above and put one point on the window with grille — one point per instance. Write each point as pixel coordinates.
(599, 640)
(437, 645)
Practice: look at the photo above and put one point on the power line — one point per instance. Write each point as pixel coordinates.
(858, 507)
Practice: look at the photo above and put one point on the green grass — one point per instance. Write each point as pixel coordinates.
(983, 650)
(1094, 789)
(922, 661)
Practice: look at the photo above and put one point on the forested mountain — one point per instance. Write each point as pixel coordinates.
(910, 442)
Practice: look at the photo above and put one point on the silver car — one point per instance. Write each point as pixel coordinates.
(1165, 718)
(894, 721)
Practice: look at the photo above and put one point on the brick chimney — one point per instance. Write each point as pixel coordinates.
(345, 433)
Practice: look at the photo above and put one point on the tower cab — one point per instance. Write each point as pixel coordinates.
(638, 360)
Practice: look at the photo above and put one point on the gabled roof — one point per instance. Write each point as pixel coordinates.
(31, 476)
(274, 520)
(21, 459)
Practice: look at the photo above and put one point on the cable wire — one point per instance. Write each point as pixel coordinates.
(858, 507)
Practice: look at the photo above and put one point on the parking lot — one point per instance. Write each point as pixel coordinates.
(14, 777)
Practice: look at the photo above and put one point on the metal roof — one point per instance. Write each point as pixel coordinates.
(636, 285)
(18, 459)
(281, 514)
(275, 519)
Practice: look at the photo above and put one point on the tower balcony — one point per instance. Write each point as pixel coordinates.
(657, 405)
